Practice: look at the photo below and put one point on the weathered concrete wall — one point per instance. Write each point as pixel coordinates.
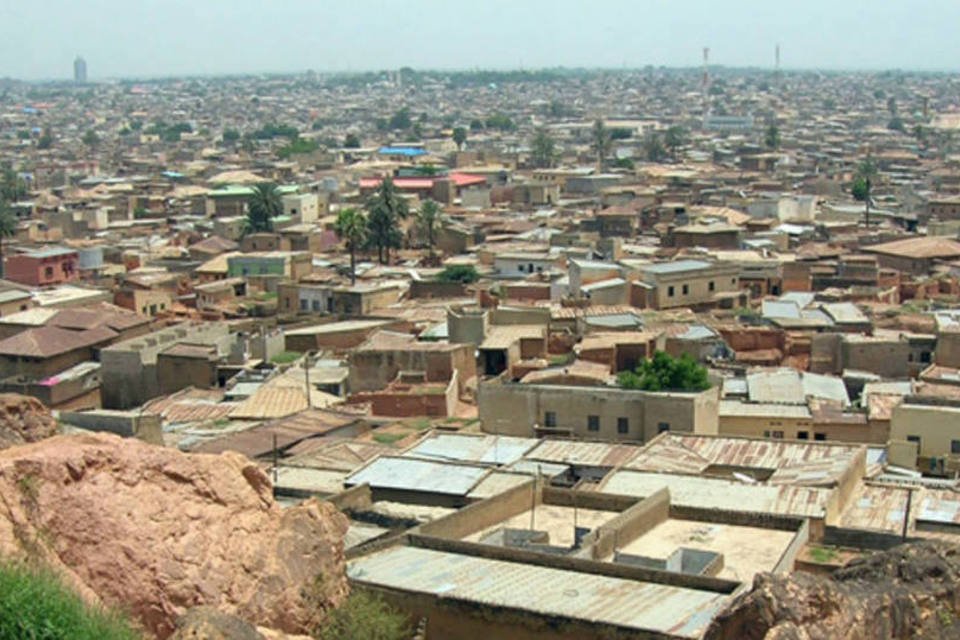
(514, 409)
(485, 513)
(629, 525)
(146, 426)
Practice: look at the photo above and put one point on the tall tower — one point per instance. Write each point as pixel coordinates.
(776, 59)
(706, 80)
(79, 70)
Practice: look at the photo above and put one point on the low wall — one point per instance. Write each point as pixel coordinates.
(629, 525)
(568, 563)
(863, 539)
(789, 556)
(428, 289)
(483, 514)
(145, 426)
(358, 497)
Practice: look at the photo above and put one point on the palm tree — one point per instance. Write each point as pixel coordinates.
(459, 137)
(772, 137)
(543, 150)
(385, 210)
(428, 217)
(866, 173)
(8, 228)
(351, 227)
(263, 206)
(601, 143)
(674, 138)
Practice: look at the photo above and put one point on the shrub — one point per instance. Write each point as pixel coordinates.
(285, 357)
(364, 616)
(35, 604)
(665, 373)
(464, 273)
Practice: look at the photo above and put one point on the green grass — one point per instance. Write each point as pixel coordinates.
(422, 424)
(385, 438)
(34, 604)
(560, 359)
(823, 555)
(366, 616)
(285, 357)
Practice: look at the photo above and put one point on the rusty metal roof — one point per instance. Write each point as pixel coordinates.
(591, 454)
(631, 604)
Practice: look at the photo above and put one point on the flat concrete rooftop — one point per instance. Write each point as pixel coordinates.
(746, 550)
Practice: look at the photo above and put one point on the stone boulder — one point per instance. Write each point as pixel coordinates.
(911, 591)
(24, 419)
(157, 532)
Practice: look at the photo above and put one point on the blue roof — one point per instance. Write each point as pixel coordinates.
(402, 151)
(51, 252)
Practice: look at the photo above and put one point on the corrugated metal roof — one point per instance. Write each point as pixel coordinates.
(677, 266)
(809, 464)
(589, 454)
(411, 474)
(496, 450)
(780, 309)
(779, 385)
(717, 493)
(732, 408)
(544, 590)
(498, 482)
(825, 387)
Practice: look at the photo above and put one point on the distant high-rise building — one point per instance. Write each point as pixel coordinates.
(79, 70)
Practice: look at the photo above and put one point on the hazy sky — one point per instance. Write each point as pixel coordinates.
(39, 38)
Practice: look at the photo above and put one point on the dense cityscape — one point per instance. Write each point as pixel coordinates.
(549, 354)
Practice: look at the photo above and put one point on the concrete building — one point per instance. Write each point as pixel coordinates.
(131, 374)
(599, 413)
(43, 267)
(692, 283)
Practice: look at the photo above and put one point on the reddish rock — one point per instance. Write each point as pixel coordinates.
(157, 532)
(912, 591)
(24, 419)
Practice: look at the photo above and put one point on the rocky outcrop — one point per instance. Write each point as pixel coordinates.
(157, 532)
(24, 419)
(911, 591)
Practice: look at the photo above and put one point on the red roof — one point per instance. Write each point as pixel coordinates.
(459, 179)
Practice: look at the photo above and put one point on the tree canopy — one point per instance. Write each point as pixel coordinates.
(385, 210)
(262, 207)
(543, 149)
(351, 227)
(465, 273)
(663, 372)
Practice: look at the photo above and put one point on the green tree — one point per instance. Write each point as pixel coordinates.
(428, 219)
(663, 372)
(351, 227)
(230, 136)
(543, 149)
(896, 124)
(601, 143)
(476, 125)
(263, 206)
(45, 141)
(653, 148)
(460, 136)
(363, 616)
(866, 174)
(90, 138)
(385, 210)
(352, 141)
(464, 273)
(771, 138)
(12, 187)
(859, 189)
(401, 120)
(674, 138)
(8, 229)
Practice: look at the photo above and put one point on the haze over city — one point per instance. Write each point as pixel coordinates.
(182, 37)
